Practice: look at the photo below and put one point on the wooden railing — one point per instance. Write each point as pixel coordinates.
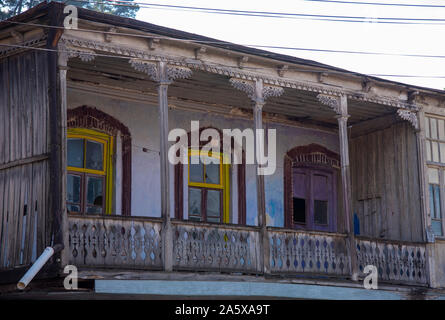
(306, 252)
(395, 261)
(135, 242)
(115, 242)
(198, 246)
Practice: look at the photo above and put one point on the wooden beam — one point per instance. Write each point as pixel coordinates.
(23, 162)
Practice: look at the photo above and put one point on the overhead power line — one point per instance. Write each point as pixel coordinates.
(233, 66)
(381, 4)
(412, 55)
(268, 14)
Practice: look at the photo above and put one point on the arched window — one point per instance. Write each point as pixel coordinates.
(204, 190)
(92, 138)
(208, 187)
(310, 188)
(90, 169)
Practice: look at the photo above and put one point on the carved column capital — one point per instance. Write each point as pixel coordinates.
(160, 71)
(409, 116)
(256, 90)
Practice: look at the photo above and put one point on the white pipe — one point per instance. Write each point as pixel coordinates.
(35, 268)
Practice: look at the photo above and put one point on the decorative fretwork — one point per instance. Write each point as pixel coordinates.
(300, 252)
(330, 101)
(151, 68)
(248, 87)
(315, 158)
(215, 248)
(97, 241)
(394, 262)
(409, 116)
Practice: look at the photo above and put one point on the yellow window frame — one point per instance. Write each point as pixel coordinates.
(224, 180)
(107, 170)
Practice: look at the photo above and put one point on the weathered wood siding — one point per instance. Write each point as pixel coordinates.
(385, 183)
(24, 146)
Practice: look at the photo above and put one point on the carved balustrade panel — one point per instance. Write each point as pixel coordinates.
(300, 252)
(394, 262)
(114, 242)
(219, 248)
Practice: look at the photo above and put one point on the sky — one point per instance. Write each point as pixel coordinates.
(361, 36)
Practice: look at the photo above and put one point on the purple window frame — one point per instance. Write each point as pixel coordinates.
(308, 191)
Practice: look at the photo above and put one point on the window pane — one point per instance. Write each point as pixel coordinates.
(213, 205)
(437, 227)
(320, 212)
(433, 176)
(212, 173)
(432, 202)
(75, 153)
(299, 214)
(196, 170)
(428, 151)
(435, 147)
(427, 127)
(94, 156)
(95, 191)
(73, 208)
(433, 128)
(437, 201)
(299, 185)
(194, 204)
(441, 132)
(73, 188)
(94, 209)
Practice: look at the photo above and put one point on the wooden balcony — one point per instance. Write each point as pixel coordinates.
(135, 243)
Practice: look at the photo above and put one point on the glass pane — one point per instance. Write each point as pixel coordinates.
(437, 201)
(437, 227)
(194, 203)
(427, 127)
(299, 214)
(432, 202)
(94, 209)
(75, 153)
(95, 155)
(433, 128)
(95, 191)
(442, 152)
(433, 175)
(196, 170)
(213, 205)
(73, 208)
(428, 151)
(73, 188)
(435, 146)
(212, 173)
(320, 212)
(441, 130)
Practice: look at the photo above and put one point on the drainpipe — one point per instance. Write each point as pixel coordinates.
(38, 265)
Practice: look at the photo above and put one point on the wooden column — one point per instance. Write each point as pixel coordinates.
(167, 235)
(258, 93)
(342, 118)
(163, 74)
(423, 176)
(340, 106)
(258, 103)
(61, 235)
